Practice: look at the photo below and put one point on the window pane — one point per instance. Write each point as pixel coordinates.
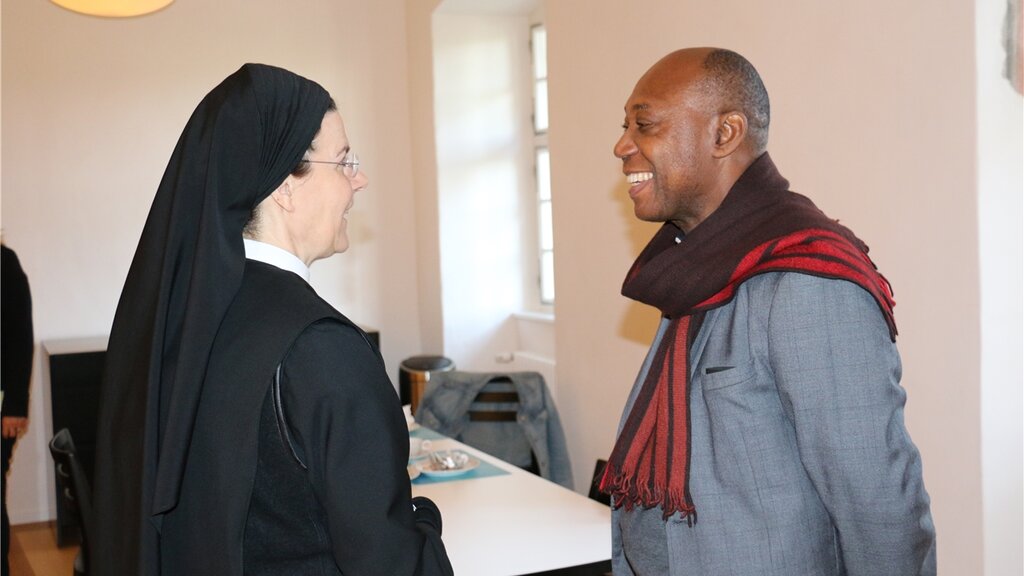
(539, 46)
(540, 52)
(540, 106)
(547, 277)
(546, 235)
(543, 174)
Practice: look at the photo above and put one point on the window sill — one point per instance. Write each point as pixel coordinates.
(540, 317)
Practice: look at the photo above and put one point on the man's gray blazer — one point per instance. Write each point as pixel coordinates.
(801, 464)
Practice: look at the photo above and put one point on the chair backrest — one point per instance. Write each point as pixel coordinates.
(496, 402)
(510, 415)
(595, 492)
(73, 485)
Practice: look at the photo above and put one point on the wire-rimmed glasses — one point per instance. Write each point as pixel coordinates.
(349, 164)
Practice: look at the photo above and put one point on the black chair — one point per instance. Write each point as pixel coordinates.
(595, 493)
(74, 490)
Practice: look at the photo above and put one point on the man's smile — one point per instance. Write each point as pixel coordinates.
(637, 181)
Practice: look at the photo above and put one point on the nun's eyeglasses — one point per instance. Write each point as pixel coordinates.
(349, 164)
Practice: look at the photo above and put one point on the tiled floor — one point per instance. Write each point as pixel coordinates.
(34, 552)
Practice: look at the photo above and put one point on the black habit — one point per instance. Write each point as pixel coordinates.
(180, 440)
(324, 452)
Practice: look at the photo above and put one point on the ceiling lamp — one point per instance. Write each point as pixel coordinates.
(113, 8)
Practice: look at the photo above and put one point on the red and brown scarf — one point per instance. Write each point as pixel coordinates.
(760, 227)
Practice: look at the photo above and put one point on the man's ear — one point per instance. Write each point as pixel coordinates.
(730, 133)
(282, 196)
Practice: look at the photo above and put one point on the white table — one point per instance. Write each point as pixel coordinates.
(516, 523)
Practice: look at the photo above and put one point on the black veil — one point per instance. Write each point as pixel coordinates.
(241, 142)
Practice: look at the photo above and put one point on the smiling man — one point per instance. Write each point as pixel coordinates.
(769, 405)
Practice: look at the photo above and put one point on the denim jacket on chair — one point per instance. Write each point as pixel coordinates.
(446, 403)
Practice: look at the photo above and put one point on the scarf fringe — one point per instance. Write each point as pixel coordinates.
(629, 494)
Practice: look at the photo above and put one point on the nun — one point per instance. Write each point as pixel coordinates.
(246, 426)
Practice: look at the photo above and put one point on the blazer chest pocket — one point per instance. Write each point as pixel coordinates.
(718, 376)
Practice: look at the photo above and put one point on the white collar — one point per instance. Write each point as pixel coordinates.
(270, 254)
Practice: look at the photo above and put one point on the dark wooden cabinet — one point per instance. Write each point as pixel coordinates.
(75, 371)
(373, 335)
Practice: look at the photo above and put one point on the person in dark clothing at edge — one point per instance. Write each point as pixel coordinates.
(246, 426)
(18, 347)
(764, 433)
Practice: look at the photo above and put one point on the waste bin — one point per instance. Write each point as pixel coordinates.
(414, 373)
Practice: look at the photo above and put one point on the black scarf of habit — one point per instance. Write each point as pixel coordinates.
(760, 227)
(242, 141)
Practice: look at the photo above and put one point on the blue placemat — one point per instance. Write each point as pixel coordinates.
(426, 434)
(484, 470)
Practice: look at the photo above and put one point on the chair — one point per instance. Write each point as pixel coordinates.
(497, 402)
(484, 409)
(510, 415)
(74, 490)
(595, 493)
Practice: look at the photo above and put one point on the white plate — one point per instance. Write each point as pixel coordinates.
(427, 468)
(418, 455)
(413, 471)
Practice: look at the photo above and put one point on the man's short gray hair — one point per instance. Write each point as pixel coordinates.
(735, 83)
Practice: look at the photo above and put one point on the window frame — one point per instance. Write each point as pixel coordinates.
(542, 175)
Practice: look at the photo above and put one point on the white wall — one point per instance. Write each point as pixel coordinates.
(873, 117)
(481, 107)
(1000, 189)
(420, 52)
(91, 111)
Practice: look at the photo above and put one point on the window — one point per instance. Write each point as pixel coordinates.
(542, 164)
(539, 52)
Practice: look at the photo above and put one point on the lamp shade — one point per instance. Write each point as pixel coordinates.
(113, 8)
